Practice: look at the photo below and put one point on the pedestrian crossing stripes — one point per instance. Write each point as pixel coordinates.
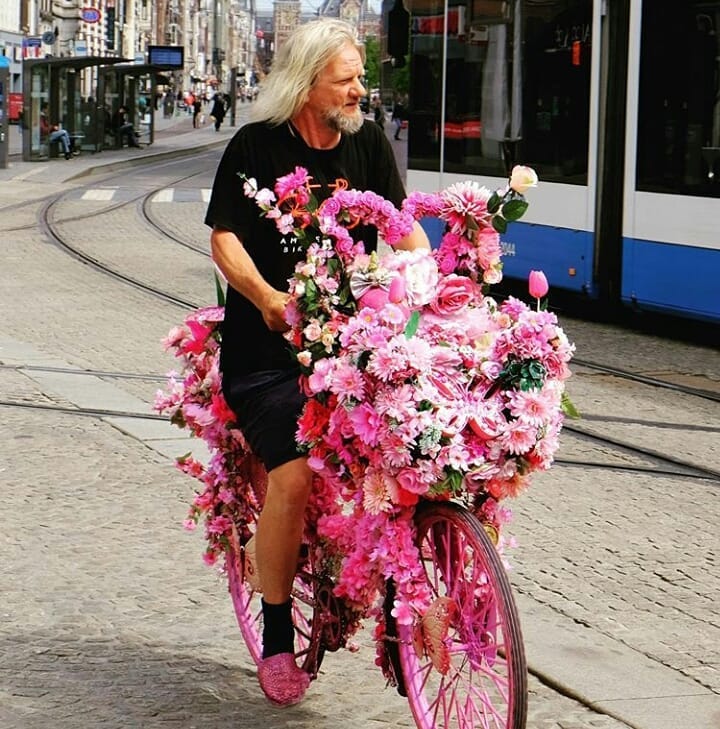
(122, 194)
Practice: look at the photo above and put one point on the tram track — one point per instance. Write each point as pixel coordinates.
(89, 372)
(647, 380)
(50, 224)
(679, 467)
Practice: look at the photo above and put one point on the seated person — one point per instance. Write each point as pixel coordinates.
(123, 128)
(54, 133)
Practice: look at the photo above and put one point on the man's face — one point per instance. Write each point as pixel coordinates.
(335, 95)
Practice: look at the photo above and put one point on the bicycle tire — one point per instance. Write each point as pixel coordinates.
(474, 675)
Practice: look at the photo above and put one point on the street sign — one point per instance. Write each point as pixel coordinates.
(90, 15)
(32, 47)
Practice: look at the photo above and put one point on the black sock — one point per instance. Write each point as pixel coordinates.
(278, 631)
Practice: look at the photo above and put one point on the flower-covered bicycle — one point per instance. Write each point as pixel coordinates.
(429, 402)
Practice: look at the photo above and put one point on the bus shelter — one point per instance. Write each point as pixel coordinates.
(134, 86)
(62, 91)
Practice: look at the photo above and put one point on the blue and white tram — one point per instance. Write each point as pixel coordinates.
(615, 103)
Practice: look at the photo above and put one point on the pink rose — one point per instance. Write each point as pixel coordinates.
(454, 294)
(409, 479)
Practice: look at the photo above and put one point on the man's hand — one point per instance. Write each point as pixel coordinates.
(273, 311)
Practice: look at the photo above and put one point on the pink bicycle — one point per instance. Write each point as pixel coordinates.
(461, 667)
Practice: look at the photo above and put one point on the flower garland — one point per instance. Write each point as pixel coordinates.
(419, 384)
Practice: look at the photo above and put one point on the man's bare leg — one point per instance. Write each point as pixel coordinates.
(280, 528)
(278, 539)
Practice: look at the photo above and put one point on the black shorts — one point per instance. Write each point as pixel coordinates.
(268, 406)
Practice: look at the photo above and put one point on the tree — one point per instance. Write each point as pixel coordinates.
(401, 78)
(372, 63)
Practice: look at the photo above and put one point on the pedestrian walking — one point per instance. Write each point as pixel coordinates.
(197, 109)
(399, 116)
(218, 111)
(378, 112)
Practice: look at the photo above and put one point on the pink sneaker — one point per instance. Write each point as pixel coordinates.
(281, 680)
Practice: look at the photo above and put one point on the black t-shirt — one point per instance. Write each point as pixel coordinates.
(365, 160)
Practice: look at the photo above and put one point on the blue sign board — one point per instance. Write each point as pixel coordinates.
(168, 56)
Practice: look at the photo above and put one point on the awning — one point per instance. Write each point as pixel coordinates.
(74, 61)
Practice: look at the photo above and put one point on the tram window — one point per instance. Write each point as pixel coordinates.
(505, 101)
(678, 147)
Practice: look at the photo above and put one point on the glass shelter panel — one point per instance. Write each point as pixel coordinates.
(679, 98)
(37, 108)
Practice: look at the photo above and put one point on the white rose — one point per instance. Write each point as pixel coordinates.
(421, 279)
(523, 178)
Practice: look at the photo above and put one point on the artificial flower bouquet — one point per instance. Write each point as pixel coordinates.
(420, 385)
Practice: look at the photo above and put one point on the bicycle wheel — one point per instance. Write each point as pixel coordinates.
(464, 663)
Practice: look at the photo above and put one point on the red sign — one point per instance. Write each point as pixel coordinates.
(90, 15)
(15, 104)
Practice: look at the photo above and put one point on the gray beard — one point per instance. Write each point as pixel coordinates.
(344, 124)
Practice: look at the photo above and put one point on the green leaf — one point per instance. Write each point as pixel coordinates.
(493, 204)
(333, 265)
(499, 223)
(514, 210)
(566, 405)
(412, 324)
(219, 290)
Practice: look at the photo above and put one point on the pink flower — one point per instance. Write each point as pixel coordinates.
(402, 613)
(455, 293)
(411, 480)
(374, 299)
(537, 284)
(366, 423)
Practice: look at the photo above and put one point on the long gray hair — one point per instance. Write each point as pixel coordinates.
(300, 59)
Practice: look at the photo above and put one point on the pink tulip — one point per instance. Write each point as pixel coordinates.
(537, 284)
(397, 290)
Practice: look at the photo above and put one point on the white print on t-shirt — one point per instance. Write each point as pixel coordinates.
(291, 245)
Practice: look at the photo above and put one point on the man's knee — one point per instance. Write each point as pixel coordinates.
(292, 481)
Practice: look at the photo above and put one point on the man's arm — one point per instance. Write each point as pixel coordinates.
(417, 239)
(233, 260)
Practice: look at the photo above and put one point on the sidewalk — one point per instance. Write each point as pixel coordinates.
(174, 137)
